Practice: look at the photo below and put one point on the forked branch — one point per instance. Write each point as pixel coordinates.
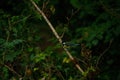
(56, 35)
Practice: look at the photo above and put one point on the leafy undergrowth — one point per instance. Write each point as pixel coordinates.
(30, 51)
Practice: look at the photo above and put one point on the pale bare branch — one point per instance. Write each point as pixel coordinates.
(56, 35)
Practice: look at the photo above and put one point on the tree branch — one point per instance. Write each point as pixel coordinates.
(56, 35)
(11, 69)
(99, 58)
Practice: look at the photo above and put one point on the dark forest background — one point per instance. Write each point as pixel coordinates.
(30, 51)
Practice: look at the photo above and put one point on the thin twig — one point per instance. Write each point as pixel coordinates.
(20, 20)
(99, 58)
(109, 10)
(56, 35)
(13, 71)
(7, 38)
(73, 14)
(62, 33)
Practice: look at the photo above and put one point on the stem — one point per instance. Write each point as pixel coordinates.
(7, 38)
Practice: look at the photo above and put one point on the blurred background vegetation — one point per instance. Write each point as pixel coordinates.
(30, 51)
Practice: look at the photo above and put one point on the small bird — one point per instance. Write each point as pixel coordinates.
(70, 44)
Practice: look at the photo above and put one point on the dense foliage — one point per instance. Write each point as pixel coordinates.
(30, 51)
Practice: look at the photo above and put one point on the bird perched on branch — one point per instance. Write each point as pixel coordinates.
(70, 44)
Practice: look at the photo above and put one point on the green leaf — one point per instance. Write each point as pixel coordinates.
(2, 41)
(36, 68)
(30, 49)
(12, 44)
(70, 78)
(75, 3)
(95, 42)
(36, 1)
(5, 72)
(10, 57)
(40, 57)
(117, 31)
